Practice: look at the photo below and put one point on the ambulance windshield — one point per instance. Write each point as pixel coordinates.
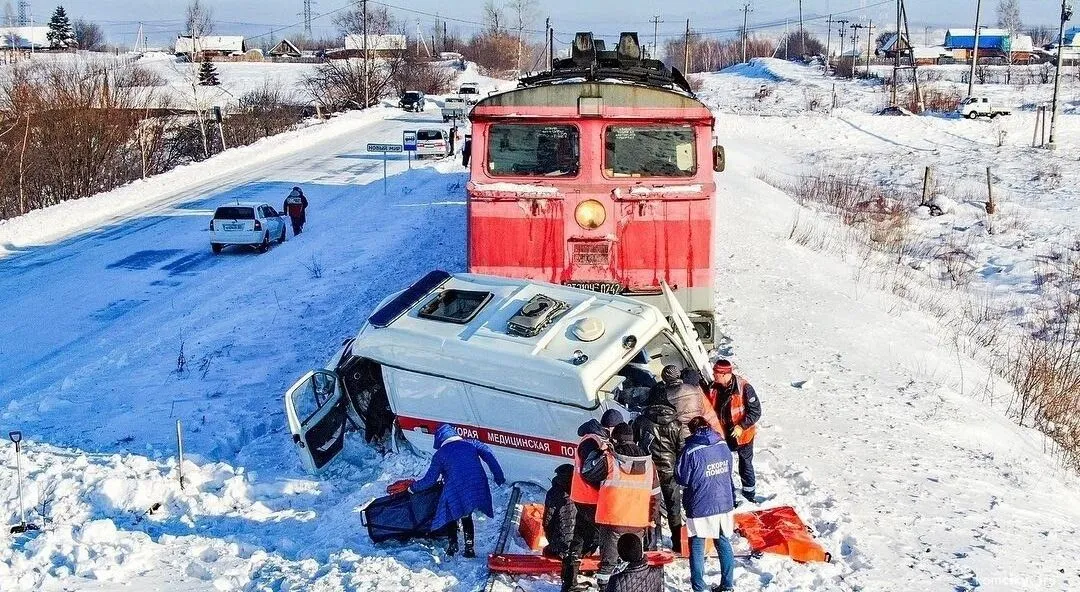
(642, 373)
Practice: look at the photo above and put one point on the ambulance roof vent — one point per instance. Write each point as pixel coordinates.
(587, 329)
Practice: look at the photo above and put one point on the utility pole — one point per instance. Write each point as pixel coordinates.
(686, 49)
(547, 41)
(1066, 14)
(551, 49)
(367, 79)
(655, 33)
(855, 45)
(975, 50)
(869, 40)
(801, 26)
(828, 42)
(843, 37)
(745, 12)
(896, 58)
(307, 18)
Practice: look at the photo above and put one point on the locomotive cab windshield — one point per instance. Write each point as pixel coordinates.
(598, 174)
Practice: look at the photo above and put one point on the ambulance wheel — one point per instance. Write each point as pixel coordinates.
(216, 247)
(972, 115)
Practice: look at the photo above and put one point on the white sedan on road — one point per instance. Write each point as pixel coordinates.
(246, 223)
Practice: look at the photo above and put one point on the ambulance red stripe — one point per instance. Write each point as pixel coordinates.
(523, 442)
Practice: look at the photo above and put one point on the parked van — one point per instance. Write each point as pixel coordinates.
(513, 363)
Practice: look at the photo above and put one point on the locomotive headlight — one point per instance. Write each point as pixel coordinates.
(590, 214)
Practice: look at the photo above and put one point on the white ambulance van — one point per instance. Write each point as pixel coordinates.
(516, 364)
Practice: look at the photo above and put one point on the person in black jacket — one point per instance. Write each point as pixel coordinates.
(560, 515)
(638, 576)
(296, 207)
(466, 150)
(658, 431)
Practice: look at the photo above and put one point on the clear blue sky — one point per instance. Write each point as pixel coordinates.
(162, 18)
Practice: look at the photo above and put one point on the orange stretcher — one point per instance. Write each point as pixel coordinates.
(780, 531)
(524, 564)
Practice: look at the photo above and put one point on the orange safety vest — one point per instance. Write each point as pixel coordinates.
(738, 413)
(625, 493)
(581, 491)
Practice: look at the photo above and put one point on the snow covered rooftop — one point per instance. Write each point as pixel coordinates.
(22, 37)
(217, 43)
(484, 350)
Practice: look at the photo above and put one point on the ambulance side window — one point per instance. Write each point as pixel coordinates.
(423, 396)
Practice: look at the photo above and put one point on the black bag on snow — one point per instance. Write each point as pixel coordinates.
(403, 516)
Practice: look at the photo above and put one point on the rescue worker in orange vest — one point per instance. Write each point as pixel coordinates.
(589, 472)
(739, 409)
(628, 500)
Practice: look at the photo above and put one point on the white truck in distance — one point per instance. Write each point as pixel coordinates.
(470, 91)
(973, 107)
(454, 108)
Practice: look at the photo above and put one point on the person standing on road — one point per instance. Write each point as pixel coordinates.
(466, 150)
(465, 486)
(704, 470)
(739, 409)
(296, 207)
(657, 431)
(452, 138)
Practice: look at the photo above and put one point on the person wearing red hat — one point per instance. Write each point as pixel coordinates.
(739, 409)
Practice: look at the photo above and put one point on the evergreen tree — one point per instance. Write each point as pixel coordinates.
(60, 34)
(208, 74)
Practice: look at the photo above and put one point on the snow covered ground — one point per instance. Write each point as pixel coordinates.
(875, 428)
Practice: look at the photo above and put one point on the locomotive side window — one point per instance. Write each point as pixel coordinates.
(649, 151)
(533, 150)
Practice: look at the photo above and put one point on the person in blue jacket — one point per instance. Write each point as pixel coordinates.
(704, 471)
(465, 486)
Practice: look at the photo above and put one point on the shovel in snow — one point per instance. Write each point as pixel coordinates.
(22, 526)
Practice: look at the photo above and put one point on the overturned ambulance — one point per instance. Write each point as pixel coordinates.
(513, 363)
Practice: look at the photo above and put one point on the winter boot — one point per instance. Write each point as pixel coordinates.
(470, 548)
(676, 539)
(452, 546)
(569, 575)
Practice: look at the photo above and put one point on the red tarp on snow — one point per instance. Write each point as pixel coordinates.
(781, 531)
(522, 564)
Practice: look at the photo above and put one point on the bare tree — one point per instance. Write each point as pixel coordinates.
(88, 35)
(351, 21)
(339, 84)
(1008, 12)
(493, 17)
(524, 13)
(198, 18)
(1041, 35)
(1009, 19)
